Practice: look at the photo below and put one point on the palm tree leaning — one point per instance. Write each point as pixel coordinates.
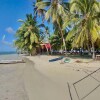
(86, 29)
(28, 35)
(55, 9)
(56, 39)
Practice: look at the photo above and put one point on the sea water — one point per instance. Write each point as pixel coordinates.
(7, 53)
(9, 56)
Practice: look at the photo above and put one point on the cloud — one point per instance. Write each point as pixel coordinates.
(6, 42)
(10, 30)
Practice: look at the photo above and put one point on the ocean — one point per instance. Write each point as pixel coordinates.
(9, 56)
(7, 53)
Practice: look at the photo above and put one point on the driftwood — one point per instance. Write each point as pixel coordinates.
(11, 61)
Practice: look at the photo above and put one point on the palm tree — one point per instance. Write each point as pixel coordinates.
(86, 29)
(56, 40)
(28, 35)
(55, 10)
(46, 33)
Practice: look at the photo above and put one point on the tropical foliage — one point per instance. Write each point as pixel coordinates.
(86, 29)
(75, 24)
(45, 32)
(28, 35)
(56, 41)
(55, 10)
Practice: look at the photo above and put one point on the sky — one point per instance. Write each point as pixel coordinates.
(10, 12)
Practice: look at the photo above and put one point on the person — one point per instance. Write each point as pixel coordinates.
(81, 51)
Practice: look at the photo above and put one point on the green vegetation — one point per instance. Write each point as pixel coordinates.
(28, 35)
(86, 30)
(76, 24)
(54, 11)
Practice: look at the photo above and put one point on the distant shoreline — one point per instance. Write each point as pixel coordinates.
(7, 53)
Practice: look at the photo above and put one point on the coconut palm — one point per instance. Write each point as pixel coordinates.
(56, 39)
(46, 32)
(55, 10)
(28, 35)
(86, 29)
(39, 12)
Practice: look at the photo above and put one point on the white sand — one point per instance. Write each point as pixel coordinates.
(11, 79)
(43, 80)
(48, 81)
(12, 83)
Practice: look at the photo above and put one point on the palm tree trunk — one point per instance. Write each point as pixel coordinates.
(64, 43)
(93, 50)
(89, 50)
(89, 42)
(47, 49)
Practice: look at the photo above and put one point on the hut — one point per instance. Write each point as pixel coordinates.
(45, 47)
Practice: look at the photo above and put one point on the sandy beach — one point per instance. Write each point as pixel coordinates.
(50, 50)
(39, 79)
(50, 80)
(11, 79)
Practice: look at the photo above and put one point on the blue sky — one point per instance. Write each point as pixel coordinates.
(10, 12)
